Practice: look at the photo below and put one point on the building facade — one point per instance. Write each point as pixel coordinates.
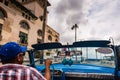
(51, 35)
(22, 21)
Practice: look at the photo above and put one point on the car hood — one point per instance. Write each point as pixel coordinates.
(82, 68)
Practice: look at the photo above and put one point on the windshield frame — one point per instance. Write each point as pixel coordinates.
(90, 43)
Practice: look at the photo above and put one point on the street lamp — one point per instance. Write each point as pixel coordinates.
(112, 40)
(75, 27)
(43, 28)
(44, 20)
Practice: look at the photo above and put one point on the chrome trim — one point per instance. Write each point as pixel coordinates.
(90, 75)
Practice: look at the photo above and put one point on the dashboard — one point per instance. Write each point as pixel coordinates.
(56, 73)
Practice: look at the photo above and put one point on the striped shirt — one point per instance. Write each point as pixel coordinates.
(19, 72)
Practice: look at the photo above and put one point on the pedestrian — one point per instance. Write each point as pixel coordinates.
(12, 55)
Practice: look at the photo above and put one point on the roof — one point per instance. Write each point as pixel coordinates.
(19, 5)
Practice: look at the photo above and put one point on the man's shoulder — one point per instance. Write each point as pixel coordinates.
(17, 67)
(13, 66)
(22, 70)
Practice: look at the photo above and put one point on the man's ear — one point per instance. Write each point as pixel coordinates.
(19, 57)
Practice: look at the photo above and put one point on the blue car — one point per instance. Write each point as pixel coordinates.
(83, 60)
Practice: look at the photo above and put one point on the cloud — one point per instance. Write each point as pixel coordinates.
(68, 6)
(70, 11)
(67, 14)
(97, 19)
(102, 18)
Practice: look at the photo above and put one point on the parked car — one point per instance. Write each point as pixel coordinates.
(94, 60)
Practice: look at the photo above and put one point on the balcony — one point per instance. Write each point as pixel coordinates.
(23, 43)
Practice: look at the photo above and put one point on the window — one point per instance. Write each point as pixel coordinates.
(23, 14)
(0, 32)
(22, 0)
(0, 28)
(41, 18)
(39, 40)
(39, 32)
(38, 54)
(29, 18)
(56, 36)
(1, 14)
(47, 54)
(6, 2)
(49, 31)
(49, 38)
(56, 40)
(24, 25)
(26, 16)
(25, 0)
(23, 37)
(1, 0)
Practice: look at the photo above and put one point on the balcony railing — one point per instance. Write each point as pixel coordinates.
(23, 44)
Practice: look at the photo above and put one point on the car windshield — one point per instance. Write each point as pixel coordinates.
(99, 56)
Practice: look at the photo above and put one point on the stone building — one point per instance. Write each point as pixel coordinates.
(22, 21)
(51, 35)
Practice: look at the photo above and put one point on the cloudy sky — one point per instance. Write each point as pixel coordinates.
(97, 19)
